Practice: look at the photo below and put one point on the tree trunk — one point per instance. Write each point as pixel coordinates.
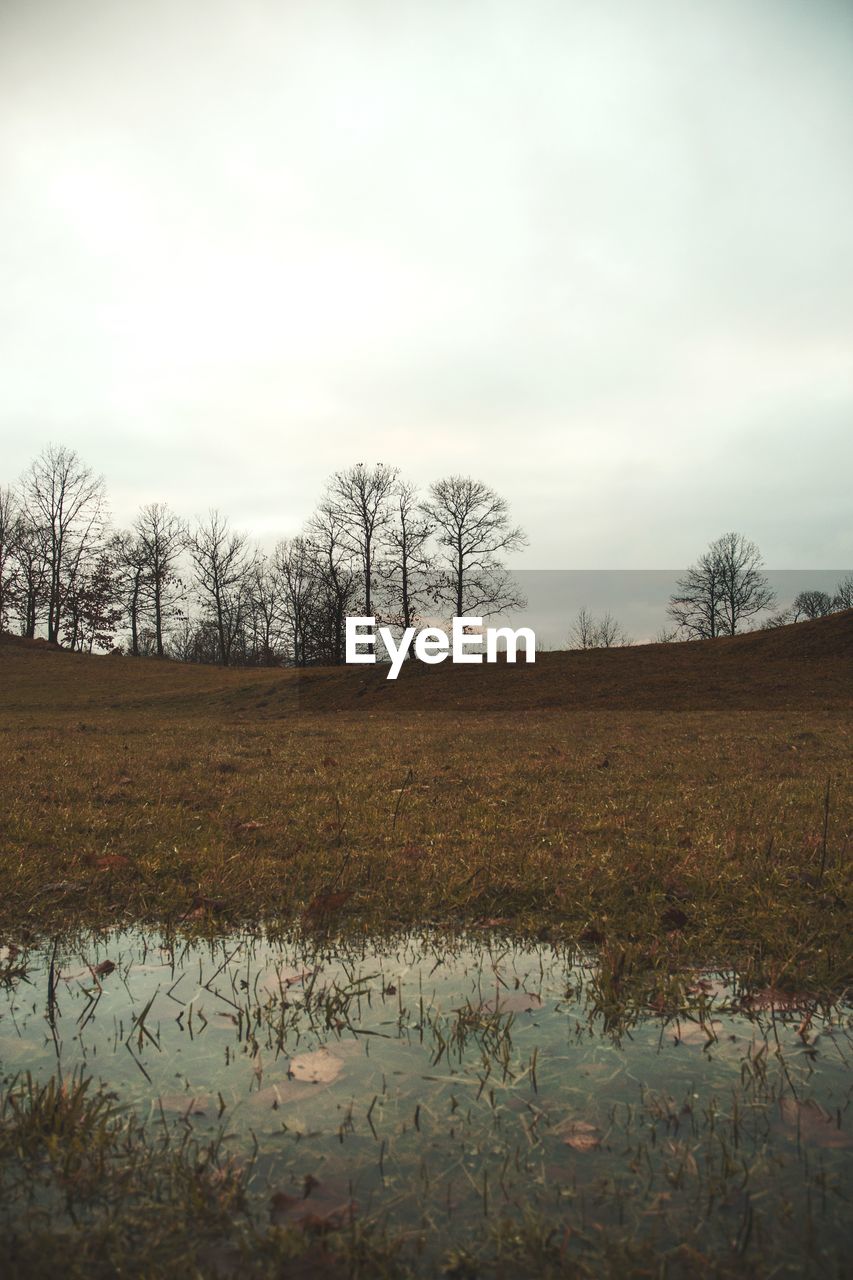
(134, 619)
(158, 615)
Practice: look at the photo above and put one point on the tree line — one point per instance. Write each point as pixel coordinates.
(201, 591)
(724, 593)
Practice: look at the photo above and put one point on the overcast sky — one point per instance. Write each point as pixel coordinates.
(599, 255)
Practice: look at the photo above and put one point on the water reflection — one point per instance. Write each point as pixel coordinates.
(434, 1084)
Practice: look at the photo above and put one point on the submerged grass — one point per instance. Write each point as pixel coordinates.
(515, 1131)
(95, 1194)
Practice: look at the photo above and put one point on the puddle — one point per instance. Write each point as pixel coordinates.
(432, 1086)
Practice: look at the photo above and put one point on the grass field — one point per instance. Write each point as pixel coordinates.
(666, 799)
(663, 814)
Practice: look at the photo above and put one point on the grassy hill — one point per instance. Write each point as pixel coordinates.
(809, 664)
(666, 803)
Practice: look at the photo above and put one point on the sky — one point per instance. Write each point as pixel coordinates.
(597, 255)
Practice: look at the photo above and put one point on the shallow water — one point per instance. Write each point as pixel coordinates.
(439, 1086)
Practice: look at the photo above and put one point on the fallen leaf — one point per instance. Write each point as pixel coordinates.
(278, 981)
(319, 1067)
(296, 978)
(582, 1136)
(709, 987)
(91, 971)
(783, 1001)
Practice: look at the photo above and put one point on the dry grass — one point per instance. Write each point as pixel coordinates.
(667, 800)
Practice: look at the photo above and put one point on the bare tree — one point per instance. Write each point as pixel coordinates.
(406, 563)
(184, 644)
(266, 612)
(338, 583)
(132, 566)
(93, 606)
(583, 630)
(473, 530)
(605, 632)
(161, 538)
(10, 532)
(745, 589)
(64, 501)
(695, 606)
(221, 561)
(843, 598)
(725, 588)
(812, 604)
(30, 576)
(359, 500)
(297, 570)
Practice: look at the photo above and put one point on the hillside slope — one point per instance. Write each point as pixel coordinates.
(807, 664)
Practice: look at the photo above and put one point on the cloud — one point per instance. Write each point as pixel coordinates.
(592, 254)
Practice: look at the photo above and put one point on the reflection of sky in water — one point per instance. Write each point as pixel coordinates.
(452, 1079)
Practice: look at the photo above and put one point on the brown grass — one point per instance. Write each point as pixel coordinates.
(666, 799)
